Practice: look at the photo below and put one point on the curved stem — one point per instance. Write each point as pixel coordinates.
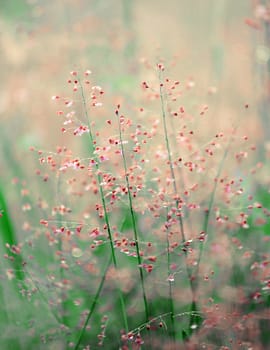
(177, 202)
(102, 196)
(96, 298)
(171, 303)
(135, 231)
(209, 209)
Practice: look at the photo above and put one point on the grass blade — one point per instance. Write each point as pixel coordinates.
(9, 236)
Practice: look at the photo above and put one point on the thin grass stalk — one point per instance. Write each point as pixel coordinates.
(135, 231)
(165, 129)
(209, 209)
(59, 247)
(171, 302)
(162, 317)
(180, 220)
(106, 216)
(63, 311)
(94, 303)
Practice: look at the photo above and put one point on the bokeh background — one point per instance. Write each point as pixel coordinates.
(222, 44)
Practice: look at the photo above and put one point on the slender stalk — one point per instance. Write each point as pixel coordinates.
(102, 196)
(165, 129)
(59, 247)
(209, 209)
(177, 202)
(135, 231)
(171, 303)
(93, 306)
(162, 317)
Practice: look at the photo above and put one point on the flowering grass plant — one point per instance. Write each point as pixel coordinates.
(145, 226)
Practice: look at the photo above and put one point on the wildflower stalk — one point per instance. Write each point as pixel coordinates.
(93, 306)
(177, 202)
(209, 209)
(135, 231)
(59, 247)
(102, 196)
(165, 129)
(162, 318)
(171, 303)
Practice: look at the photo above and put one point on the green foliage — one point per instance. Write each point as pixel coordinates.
(8, 236)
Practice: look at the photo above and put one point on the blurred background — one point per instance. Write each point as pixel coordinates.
(221, 44)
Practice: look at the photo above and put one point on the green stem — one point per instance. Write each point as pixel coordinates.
(135, 231)
(165, 129)
(93, 306)
(210, 206)
(171, 303)
(59, 247)
(177, 202)
(101, 192)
